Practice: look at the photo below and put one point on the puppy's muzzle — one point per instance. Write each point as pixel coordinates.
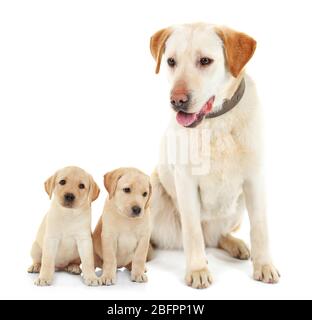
(69, 198)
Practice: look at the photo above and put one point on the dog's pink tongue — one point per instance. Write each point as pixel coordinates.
(186, 119)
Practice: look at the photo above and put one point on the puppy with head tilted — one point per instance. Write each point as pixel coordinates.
(64, 240)
(122, 236)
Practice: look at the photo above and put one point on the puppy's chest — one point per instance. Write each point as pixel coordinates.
(67, 251)
(127, 243)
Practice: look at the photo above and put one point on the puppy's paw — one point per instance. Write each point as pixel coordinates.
(108, 279)
(41, 282)
(35, 268)
(266, 273)
(200, 279)
(139, 277)
(73, 269)
(92, 281)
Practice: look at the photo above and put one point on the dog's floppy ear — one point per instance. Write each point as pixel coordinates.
(94, 191)
(238, 47)
(157, 45)
(148, 202)
(49, 185)
(111, 180)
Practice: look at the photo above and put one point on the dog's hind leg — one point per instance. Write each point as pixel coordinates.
(167, 232)
(151, 253)
(217, 233)
(74, 268)
(36, 254)
(98, 262)
(34, 268)
(235, 247)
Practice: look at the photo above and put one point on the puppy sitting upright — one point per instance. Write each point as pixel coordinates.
(64, 239)
(122, 236)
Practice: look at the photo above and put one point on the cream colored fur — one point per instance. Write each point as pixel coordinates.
(195, 206)
(64, 238)
(121, 239)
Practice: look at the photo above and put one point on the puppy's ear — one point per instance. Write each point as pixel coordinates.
(49, 185)
(157, 45)
(238, 47)
(148, 202)
(94, 191)
(111, 180)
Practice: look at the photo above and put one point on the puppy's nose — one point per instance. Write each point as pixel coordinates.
(136, 210)
(69, 197)
(180, 100)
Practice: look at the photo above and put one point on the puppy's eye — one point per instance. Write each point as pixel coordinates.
(127, 190)
(171, 62)
(62, 182)
(205, 61)
(145, 194)
(81, 186)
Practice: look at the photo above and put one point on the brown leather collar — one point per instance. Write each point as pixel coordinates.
(228, 105)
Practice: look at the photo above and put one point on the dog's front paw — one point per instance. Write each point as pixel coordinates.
(108, 279)
(92, 281)
(200, 279)
(139, 277)
(41, 282)
(266, 273)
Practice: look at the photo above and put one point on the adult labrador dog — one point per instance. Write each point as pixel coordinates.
(210, 166)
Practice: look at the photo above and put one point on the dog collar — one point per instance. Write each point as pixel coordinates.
(228, 105)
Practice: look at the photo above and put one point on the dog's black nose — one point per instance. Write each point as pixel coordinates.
(69, 197)
(136, 210)
(180, 102)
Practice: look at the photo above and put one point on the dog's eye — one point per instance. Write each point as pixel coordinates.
(145, 194)
(127, 190)
(171, 62)
(62, 182)
(205, 61)
(81, 186)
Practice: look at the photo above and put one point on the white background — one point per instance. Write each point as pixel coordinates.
(77, 86)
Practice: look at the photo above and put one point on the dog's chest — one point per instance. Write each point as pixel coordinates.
(220, 155)
(126, 245)
(221, 187)
(67, 251)
(220, 195)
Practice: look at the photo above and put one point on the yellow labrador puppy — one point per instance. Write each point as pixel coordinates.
(210, 167)
(122, 236)
(64, 239)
